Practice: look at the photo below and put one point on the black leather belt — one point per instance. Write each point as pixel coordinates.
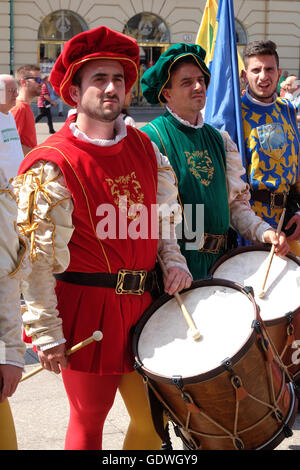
(214, 243)
(275, 200)
(124, 282)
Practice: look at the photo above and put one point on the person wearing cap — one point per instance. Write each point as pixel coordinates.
(80, 196)
(206, 162)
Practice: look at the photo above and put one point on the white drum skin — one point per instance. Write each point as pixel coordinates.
(223, 316)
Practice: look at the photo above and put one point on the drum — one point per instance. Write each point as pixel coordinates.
(224, 391)
(279, 308)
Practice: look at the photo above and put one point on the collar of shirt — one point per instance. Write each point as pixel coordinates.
(199, 124)
(120, 129)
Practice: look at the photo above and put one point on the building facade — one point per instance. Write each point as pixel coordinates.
(35, 31)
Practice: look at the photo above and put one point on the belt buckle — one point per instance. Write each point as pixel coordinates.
(119, 289)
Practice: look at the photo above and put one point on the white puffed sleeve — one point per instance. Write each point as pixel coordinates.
(45, 217)
(14, 264)
(242, 217)
(169, 213)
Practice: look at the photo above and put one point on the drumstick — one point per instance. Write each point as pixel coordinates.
(262, 293)
(97, 336)
(195, 332)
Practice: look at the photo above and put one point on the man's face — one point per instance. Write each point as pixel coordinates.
(8, 95)
(34, 88)
(262, 74)
(102, 92)
(187, 94)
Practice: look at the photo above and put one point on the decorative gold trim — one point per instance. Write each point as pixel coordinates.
(119, 289)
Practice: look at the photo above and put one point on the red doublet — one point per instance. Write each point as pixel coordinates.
(95, 176)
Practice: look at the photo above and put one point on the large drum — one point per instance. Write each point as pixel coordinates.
(279, 307)
(225, 391)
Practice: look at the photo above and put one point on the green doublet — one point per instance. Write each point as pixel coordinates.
(198, 159)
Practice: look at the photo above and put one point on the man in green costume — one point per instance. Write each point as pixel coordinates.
(207, 163)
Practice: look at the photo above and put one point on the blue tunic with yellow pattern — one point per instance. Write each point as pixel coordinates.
(272, 146)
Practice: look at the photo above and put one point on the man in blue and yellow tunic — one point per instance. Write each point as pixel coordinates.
(272, 141)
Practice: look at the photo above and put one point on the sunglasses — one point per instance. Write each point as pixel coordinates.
(37, 79)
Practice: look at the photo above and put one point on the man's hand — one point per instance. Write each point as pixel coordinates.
(52, 358)
(281, 245)
(294, 220)
(177, 280)
(10, 376)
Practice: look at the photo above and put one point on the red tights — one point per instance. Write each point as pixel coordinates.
(91, 397)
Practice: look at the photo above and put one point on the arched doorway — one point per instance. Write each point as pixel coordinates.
(153, 37)
(54, 31)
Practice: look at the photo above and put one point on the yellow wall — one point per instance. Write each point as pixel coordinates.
(274, 19)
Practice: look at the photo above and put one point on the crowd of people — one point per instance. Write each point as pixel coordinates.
(75, 271)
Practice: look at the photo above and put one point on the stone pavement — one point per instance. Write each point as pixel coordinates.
(40, 406)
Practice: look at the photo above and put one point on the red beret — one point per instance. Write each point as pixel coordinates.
(98, 43)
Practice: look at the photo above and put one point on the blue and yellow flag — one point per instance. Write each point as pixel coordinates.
(207, 33)
(223, 106)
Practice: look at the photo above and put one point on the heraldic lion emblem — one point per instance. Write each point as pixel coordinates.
(201, 166)
(126, 192)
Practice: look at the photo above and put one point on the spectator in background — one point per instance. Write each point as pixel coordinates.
(11, 153)
(57, 99)
(283, 89)
(283, 76)
(29, 82)
(44, 105)
(292, 84)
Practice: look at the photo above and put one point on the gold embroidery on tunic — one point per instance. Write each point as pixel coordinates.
(126, 192)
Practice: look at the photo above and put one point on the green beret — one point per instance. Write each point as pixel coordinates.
(155, 78)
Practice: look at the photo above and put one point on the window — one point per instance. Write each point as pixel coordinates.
(146, 27)
(54, 31)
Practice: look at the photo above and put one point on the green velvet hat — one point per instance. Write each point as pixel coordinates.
(155, 78)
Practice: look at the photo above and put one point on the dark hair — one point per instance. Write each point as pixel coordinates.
(260, 48)
(77, 78)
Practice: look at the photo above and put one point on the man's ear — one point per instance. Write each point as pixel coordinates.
(244, 74)
(74, 93)
(166, 94)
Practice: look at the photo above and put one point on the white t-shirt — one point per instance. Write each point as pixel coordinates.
(11, 153)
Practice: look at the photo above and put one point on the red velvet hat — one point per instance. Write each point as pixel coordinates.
(98, 43)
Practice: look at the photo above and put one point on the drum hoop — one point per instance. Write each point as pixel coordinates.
(213, 372)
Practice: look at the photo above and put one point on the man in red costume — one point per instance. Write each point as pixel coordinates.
(86, 199)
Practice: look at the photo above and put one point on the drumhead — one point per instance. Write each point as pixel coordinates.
(248, 268)
(222, 314)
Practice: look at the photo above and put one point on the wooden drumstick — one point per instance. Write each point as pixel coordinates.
(97, 336)
(262, 293)
(195, 332)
